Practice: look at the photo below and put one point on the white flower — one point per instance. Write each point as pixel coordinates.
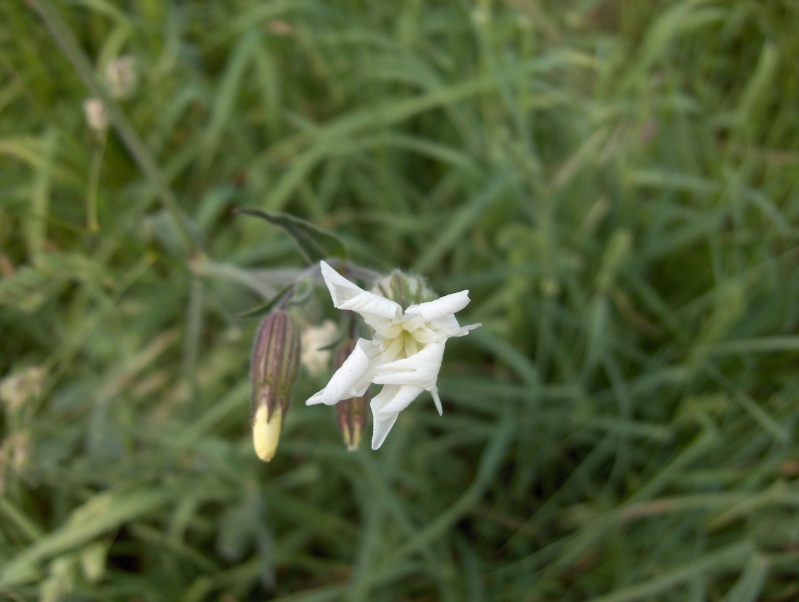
(404, 355)
(314, 354)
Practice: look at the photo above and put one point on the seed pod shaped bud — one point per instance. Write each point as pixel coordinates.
(275, 364)
(351, 414)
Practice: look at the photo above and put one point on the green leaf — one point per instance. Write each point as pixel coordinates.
(32, 285)
(262, 310)
(102, 513)
(314, 243)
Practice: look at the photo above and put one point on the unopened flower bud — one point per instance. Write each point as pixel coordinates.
(121, 76)
(96, 114)
(275, 363)
(351, 413)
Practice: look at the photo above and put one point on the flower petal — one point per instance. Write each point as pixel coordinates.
(420, 369)
(464, 330)
(386, 406)
(437, 400)
(446, 305)
(397, 399)
(353, 377)
(439, 330)
(352, 297)
(382, 428)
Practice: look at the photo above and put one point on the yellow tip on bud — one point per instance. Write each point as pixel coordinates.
(266, 432)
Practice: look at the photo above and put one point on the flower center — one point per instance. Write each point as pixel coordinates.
(407, 341)
(410, 343)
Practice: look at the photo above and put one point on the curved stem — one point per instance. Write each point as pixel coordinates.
(141, 154)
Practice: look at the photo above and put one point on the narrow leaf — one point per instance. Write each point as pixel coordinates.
(101, 513)
(264, 309)
(314, 243)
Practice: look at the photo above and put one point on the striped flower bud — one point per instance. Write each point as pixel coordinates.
(351, 413)
(275, 364)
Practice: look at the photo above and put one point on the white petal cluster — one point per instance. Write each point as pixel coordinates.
(404, 355)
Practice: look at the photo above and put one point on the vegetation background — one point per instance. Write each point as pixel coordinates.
(615, 182)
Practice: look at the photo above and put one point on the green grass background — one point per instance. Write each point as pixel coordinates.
(617, 183)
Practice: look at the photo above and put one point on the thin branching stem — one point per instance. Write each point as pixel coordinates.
(141, 154)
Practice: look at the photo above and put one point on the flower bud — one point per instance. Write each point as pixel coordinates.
(96, 114)
(351, 413)
(121, 76)
(404, 289)
(275, 363)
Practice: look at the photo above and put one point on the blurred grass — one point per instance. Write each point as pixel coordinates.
(616, 184)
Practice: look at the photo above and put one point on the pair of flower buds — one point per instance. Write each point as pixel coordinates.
(404, 355)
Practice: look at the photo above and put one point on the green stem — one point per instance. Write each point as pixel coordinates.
(92, 221)
(141, 154)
